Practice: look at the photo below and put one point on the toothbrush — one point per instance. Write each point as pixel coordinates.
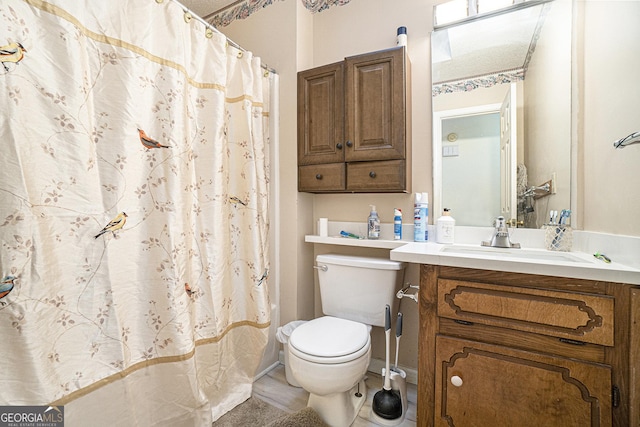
(350, 235)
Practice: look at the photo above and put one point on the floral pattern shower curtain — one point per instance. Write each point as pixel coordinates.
(133, 213)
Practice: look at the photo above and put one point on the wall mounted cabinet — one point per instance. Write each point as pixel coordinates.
(514, 349)
(354, 125)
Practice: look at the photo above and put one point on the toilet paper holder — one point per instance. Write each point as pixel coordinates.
(403, 293)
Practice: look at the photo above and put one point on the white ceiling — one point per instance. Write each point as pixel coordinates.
(205, 8)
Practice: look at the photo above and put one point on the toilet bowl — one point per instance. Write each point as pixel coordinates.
(329, 357)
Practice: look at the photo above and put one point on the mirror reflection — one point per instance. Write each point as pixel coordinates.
(502, 114)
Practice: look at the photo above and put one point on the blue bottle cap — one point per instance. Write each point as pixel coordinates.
(402, 30)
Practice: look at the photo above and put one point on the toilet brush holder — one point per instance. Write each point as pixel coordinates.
(398, 379)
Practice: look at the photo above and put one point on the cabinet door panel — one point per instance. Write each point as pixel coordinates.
(573, 316)
(376, 114)
(499, 386)
(321, 115)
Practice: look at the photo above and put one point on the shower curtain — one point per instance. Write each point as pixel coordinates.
(133, 213)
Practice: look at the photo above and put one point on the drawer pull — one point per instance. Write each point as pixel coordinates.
(319, 176)
(456, 381)
(463, 322)
(372, 174)
(572, 342)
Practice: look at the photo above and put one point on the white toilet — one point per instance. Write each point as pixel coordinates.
(329, 356)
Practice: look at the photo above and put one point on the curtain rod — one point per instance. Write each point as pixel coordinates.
(231, 42)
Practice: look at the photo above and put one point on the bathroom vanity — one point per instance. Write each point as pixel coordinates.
(509, 344)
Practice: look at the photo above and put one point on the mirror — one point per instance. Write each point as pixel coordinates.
(502, 114)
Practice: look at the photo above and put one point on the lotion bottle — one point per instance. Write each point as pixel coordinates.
(373, 227)
(445, 227)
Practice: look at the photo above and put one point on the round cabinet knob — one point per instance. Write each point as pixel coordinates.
(456, 381)
(319, 176)
(349, 144)
(339, 145)
(372, 174)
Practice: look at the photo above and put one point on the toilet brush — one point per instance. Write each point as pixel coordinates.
(387, 403)
(398, 335)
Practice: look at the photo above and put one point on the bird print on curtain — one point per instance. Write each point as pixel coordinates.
(115, 224)
(12, 53)
(6, 286)
(149, 142)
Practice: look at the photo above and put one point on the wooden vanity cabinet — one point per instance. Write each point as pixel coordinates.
(510, 349)
(354, 125)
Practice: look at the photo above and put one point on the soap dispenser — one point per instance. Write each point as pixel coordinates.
(445, 227)
(373, 228)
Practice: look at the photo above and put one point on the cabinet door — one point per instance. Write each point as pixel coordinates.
(375, 106)
(479, 384)
(321, 115)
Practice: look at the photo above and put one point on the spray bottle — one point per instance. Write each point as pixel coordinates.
(397, 224)
(421, 217)
(373, 227)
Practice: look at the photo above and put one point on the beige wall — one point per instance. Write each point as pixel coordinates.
(611, 92)
(289, 39)
(547, 100)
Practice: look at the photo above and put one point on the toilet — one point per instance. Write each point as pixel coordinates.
(329, 356)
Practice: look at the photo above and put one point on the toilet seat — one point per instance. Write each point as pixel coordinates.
(330, 340)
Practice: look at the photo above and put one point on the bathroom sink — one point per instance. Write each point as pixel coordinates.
(525, 254)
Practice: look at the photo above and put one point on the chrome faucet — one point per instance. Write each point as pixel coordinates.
(500, 237)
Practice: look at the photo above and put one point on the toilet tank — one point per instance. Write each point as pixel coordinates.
(358, 288)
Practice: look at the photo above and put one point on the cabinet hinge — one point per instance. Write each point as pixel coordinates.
(615, 396)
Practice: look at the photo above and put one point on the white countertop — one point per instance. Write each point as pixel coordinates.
(578, 265)
(467, 252)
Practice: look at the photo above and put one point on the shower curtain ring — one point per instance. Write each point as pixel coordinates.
(187, 17)
(208, 33)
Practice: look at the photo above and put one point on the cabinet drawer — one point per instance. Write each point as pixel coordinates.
(377, 176)
(318, 178)
(567, 315)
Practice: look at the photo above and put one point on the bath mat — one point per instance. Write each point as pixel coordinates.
(306, 417)
(251, 412)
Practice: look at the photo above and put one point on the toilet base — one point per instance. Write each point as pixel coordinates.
(339, 409)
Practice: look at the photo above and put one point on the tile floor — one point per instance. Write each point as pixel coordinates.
(274, 389)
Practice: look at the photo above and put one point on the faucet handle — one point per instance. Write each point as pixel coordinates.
(513, 223)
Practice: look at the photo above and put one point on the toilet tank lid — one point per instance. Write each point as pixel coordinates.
(359, 261)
